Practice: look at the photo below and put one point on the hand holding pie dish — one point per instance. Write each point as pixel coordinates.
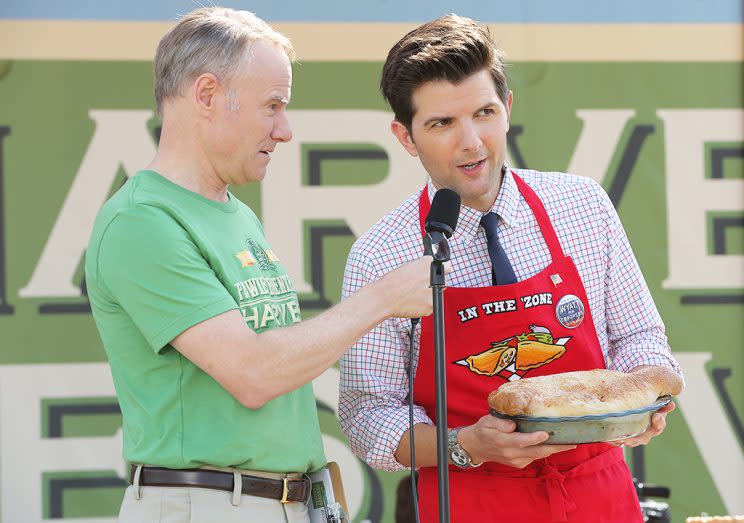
(586, 406)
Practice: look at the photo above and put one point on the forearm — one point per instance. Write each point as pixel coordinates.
(373, 409)
(488, 439)
(289, 357)
(256, 368)
(425, 441)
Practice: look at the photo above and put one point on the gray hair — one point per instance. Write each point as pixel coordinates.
(209, 40)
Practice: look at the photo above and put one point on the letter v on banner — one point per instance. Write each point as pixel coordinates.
(120, 138)
(598, 141)
(711, 430)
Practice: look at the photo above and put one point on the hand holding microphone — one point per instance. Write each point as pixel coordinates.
(408, 289)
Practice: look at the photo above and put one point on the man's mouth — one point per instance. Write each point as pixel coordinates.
(472, 166)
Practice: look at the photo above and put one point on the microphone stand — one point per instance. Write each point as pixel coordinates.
(435, 243)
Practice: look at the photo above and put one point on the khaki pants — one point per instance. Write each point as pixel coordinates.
(199, 505)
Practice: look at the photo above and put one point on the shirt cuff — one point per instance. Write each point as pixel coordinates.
(382, 454)
(629, 359)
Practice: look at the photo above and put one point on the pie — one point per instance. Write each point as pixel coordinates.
(581, 393)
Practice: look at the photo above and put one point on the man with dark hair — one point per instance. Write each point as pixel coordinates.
(536, 255)
(200, 322)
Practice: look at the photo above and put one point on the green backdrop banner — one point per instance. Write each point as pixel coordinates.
(665, 139)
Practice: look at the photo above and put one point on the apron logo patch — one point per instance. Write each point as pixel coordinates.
(556, 279)
(570, 311)
(511, 358)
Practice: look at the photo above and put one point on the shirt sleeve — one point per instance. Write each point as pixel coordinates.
(635, 329)
(373, 391)
(151, 268)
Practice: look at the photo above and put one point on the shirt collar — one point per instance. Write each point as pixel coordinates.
(508, 205)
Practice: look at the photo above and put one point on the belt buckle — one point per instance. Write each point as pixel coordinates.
(285, 490)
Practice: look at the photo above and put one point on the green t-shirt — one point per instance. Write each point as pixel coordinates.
(160, 260)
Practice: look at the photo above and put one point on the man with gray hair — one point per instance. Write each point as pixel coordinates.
(196, 311)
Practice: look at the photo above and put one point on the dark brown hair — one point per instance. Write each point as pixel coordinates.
(449, 48)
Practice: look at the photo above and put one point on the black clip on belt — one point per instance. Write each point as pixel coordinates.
(285, 490)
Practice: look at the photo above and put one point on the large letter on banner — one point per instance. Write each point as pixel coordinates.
(120, 139)
(26, 455)
(690, 197)
(287, 202)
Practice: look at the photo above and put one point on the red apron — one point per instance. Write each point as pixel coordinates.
(535, 327)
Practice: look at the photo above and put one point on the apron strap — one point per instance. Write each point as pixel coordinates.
(558, 497)
(560, 501)
(537, 207)
(424, 207)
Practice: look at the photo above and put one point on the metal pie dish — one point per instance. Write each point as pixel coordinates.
(593, 428)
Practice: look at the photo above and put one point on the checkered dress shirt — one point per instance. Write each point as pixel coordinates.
(373, 408)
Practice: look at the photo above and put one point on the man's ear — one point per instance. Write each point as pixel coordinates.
(404, 137)
(205, 89)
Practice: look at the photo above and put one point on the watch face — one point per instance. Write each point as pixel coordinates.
(459, 458)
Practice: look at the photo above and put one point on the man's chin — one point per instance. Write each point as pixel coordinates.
(253, 176)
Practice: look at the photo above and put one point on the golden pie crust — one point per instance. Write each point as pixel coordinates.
(582, 393)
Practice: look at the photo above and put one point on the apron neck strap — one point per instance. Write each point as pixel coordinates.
(424, 207)
(546, 227)
(541, 215)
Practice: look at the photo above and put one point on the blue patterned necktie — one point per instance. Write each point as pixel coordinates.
(502, 271)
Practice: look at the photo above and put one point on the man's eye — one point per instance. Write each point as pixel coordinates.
(488, 111)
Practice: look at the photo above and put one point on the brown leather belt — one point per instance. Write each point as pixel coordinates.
(285, 490)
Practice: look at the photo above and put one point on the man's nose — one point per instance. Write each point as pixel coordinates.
(470, 140)
(282, 132)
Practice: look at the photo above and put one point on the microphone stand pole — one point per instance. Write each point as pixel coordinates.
(440, 251)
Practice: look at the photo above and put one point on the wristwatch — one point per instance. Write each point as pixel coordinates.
(459, 455)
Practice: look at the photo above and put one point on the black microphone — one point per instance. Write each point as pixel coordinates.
(440, 223)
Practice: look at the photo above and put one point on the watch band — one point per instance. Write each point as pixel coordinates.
(459, 455)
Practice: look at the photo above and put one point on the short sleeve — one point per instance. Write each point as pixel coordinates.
(151, 268)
